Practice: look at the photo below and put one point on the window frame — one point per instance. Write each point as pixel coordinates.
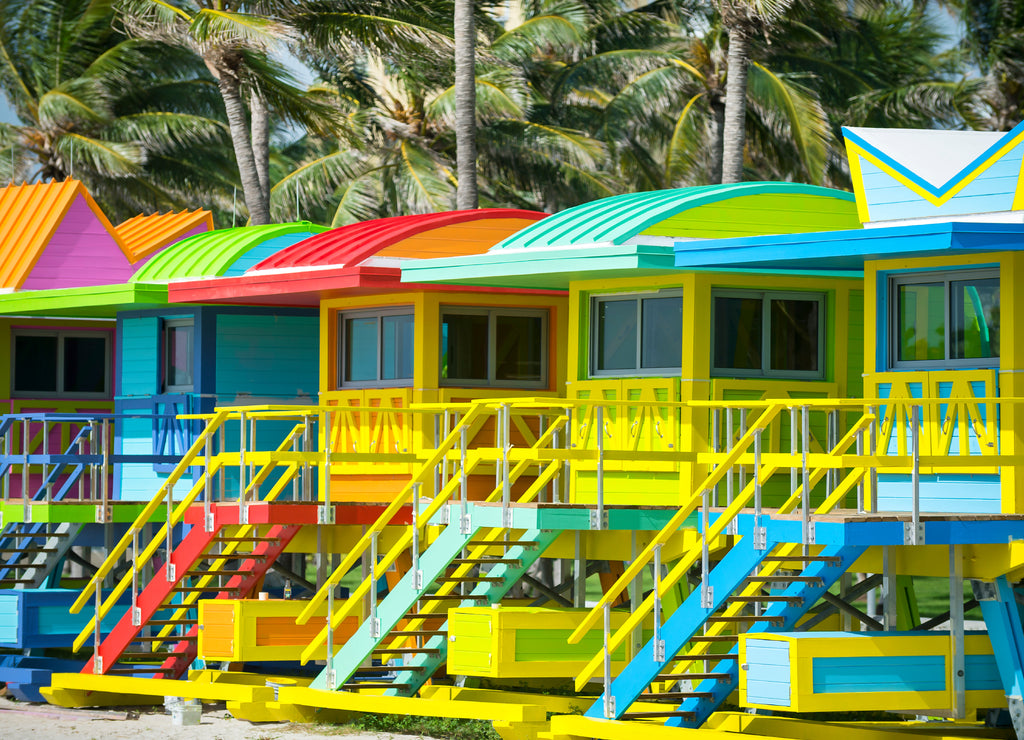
(637, 297)
(493, 312)
(947, 277)
(165, 354)
(766, 372)
(377, 313)
(61, 335)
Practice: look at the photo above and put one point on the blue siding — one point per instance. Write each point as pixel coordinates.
(992, 190)
(981, 673)
(768, 673)
(874, 674)
(972, 494)
(9, 619)
(139, 362)
(266, 356)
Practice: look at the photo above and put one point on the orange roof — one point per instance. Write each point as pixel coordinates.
(29, 217)
(144, 235)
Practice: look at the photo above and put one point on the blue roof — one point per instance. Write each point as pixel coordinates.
(849, 250)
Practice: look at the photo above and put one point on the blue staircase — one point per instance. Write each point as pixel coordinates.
(739, 581)
(30, 553)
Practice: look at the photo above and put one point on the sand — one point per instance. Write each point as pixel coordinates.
(42, 721)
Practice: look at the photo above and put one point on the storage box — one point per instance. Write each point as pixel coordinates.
(862, 671)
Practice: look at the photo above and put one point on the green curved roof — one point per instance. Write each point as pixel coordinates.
(741, 209)
(633, 235)
(222, 252)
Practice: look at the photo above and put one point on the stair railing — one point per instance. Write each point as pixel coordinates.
(492, 535)
(426, 473)
(95, 584)
(673, 525)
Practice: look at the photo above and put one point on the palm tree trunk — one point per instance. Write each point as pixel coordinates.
(261, 142)
(466, 196)
(716, 139)
(735, 106)
(238, 125)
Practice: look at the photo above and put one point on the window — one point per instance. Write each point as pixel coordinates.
(768, 334)
(637, 334)
(179, 337)
(60, 363)
(922, 306)
(504, 347)
(375, 347)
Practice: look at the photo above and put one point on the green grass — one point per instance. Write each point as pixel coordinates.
(439, 727)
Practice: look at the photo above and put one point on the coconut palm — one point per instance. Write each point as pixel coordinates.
(237, 42)
(121, 115)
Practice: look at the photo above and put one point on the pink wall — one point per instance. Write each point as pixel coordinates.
(82, 252)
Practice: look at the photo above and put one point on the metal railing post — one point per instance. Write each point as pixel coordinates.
(706, 599)
(760, 533)
(506, 485)
(97, 659)
(136, 611)
(463, 484)
(241, 460)
(46, 460)
(792, 449)
(805, 497)
(916, 532)
(330, 640)
(657, 642)
(715, 444)
(208, 485)
(599, 416)
(873, 451)
(609, 700)
(374, 622)
(860, 486)
(731, 526)
(417, 575)
(169, 528)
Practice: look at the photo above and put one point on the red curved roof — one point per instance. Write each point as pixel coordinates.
(447, 234)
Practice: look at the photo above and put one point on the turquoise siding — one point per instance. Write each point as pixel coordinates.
(768, 680)
(260, 356)
(10, 632)
(876, 674)
(140, 356)
(981, 673)
(972, 494)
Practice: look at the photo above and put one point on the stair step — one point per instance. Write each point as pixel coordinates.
(749, 618)
(39, 535)
(487, 561)
(657, 715)
(149, 656)
(28, 550)
(168, 638)
(426, 615)
(803, 559)
(453, 597)
(233, 556)
(199, 590)
(377, 670)
(169, 622)
(246, 539)
(503, 543)
(694, 676)
(17, 580)
(368, 685)
(470, 579)
(679, 695)
(200, 573)
(416, 633)
(760, 599)
(713, 638)
(406, 651)
(816, 580)
(140, 669)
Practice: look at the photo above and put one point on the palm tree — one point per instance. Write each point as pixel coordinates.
(237, 46)
(465, 105)
(742, 19)
(121, 115)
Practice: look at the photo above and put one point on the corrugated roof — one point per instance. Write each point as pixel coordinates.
(450, 233)
(217, 252)
(143, 235)
(29, 217)
(619, 218)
